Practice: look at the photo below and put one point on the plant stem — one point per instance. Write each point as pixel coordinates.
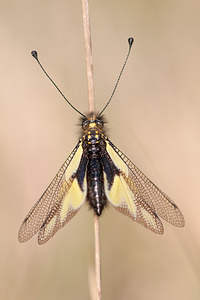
(97, 257)
(88, 55)
(91, 104)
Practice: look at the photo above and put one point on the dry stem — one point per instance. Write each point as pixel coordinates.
(91, 104)
(88, 55)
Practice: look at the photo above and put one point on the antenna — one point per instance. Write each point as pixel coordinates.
(35, 55)
(130, 41)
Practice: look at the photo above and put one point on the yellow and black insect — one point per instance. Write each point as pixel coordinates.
(97, 171)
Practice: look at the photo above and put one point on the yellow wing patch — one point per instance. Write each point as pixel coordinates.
(127, 201)
(117, 160)
(73, 166)
(73, 199)
(70, 200)
(120, 193)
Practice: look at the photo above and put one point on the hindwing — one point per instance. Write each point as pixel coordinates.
(60, 202)
(136, 196)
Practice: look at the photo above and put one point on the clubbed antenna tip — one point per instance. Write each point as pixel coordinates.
(34, 54)
(130, 41)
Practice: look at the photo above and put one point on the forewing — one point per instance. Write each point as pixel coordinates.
(144, 192)
(50, 201)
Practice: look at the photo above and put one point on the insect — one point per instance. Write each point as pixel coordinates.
(96, 171)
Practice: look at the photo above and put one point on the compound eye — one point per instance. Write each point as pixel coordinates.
(99, 123)
(85, 125)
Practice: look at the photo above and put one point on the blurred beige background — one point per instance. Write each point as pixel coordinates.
(153, 118)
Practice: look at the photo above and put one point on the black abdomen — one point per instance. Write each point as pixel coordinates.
(95, 182)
